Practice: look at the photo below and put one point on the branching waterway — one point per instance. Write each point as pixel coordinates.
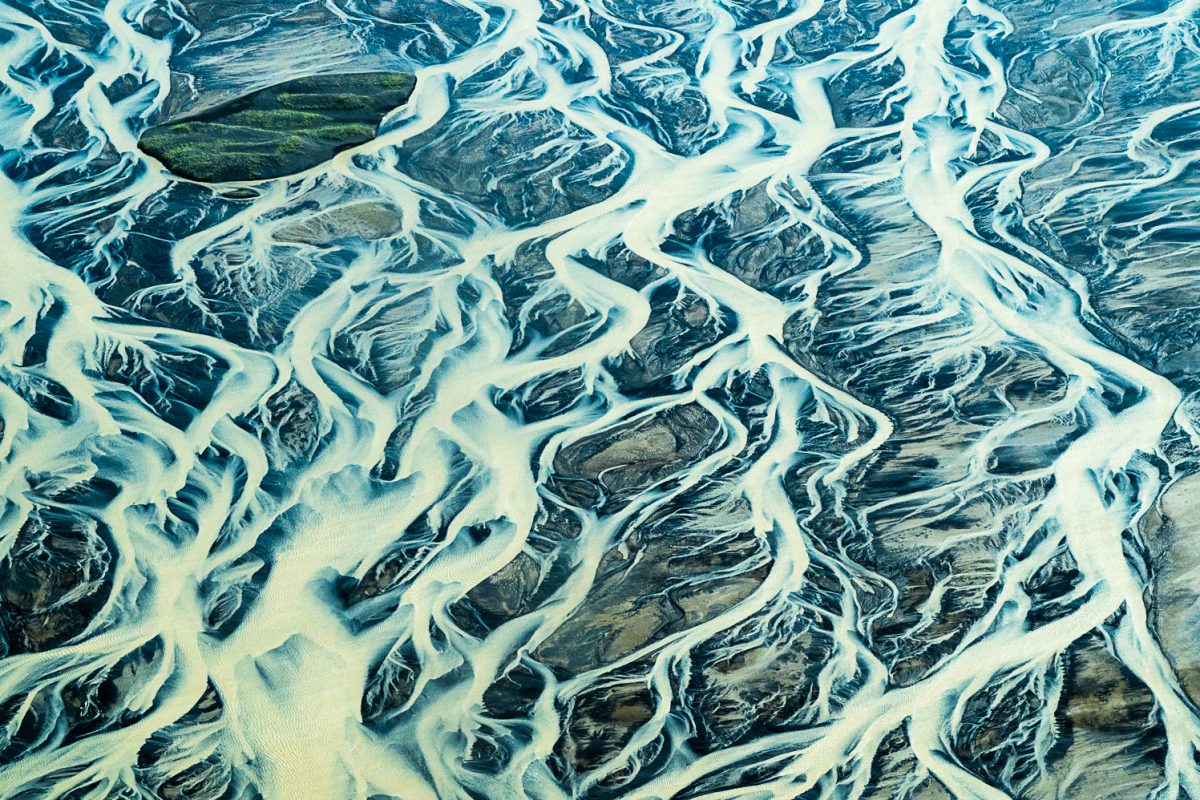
(685, 399)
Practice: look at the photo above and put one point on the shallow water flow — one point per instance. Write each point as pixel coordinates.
(668, 400)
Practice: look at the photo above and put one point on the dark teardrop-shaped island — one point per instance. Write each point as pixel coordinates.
(280, 130)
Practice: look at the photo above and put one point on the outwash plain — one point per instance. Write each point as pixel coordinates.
(599, 400)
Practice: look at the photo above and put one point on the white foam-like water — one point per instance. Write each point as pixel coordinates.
(209, 506)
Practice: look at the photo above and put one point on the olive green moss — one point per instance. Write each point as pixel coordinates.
(275, 119)
(280, 130)
(345, 102)
(350, 130)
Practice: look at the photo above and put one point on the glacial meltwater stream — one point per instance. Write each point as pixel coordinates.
(684, 399)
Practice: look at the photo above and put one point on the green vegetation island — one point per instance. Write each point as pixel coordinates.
(280, 130)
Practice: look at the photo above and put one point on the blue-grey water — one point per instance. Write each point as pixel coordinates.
(678, 399)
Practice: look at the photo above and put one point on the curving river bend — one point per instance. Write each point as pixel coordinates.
(686, 399)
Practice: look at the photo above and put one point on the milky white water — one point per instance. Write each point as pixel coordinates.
(753, 400)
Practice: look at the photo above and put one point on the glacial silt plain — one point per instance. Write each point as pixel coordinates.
(599, 400)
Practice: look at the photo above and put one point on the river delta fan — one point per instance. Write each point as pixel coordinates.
(279, 130)
(702, 400)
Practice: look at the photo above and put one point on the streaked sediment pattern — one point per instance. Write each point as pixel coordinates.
(548, 399)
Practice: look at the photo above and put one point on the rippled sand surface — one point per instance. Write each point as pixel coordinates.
(590, 399)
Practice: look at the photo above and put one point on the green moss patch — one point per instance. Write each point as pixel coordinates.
(283, 129)
(344, 102)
